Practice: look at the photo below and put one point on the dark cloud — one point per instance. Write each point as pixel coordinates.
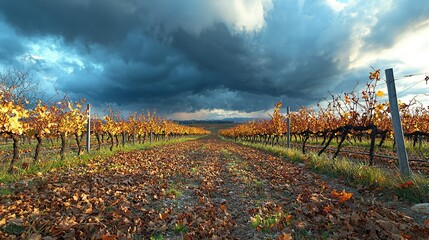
(10, 48)
(101, 21)
(168, 56)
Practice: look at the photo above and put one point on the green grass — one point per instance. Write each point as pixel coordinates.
(110, 209)
(422, 149)
(6, 191)
(355, 173)
(174, 192)
(157, 236)
(14, 229)
(179, 228)
(194, 170)
(53, 162)
(266, 223)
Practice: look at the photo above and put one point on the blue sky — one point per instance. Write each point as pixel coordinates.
(194, 59)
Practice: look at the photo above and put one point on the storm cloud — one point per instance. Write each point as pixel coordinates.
(184, 56)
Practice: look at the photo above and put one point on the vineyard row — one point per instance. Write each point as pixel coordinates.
(68, 119)
(357, 114)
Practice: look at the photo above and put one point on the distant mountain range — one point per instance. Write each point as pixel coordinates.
(217, 121)
(240, 120)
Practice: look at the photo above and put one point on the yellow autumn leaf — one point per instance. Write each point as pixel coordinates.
(346, 99)
(379, 107)
(88, 210)
(4, 109)
(379, 93)
(14, 123)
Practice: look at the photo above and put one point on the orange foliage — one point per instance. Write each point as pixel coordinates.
(341, 196)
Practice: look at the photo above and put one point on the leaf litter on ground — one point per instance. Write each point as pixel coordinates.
(204, 189)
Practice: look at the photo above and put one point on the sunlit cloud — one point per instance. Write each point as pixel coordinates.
(409, 52)
(216, 114)
(195, 16)
(336, 5)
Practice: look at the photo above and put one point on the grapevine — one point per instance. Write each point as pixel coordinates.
(348, 115)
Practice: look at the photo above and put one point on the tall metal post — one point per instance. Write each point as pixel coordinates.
(288, 126)
(88, 129)
(404, 166)
(134, 135)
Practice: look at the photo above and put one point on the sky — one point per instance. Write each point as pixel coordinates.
(213, 59)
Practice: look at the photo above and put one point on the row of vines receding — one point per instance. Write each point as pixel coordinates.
(351, 117)
(24, 121)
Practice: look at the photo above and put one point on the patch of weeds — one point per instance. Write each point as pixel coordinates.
(258, 185)
(180, 228)
(157, 236)
(109, 209)
(245, 167)
(138, 237)
(6, 191)
(175, 202)
(255, 222)
(173, 193)
(265, 223)
(302, 233)
(226, 153)
(232, 166)
(194, 170)
(262, 196)
(273, 221)
(328, 234)
(14, 229)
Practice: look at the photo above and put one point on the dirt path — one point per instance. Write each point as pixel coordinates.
(204, 189)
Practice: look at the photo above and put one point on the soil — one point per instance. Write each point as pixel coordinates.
(202, 189)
